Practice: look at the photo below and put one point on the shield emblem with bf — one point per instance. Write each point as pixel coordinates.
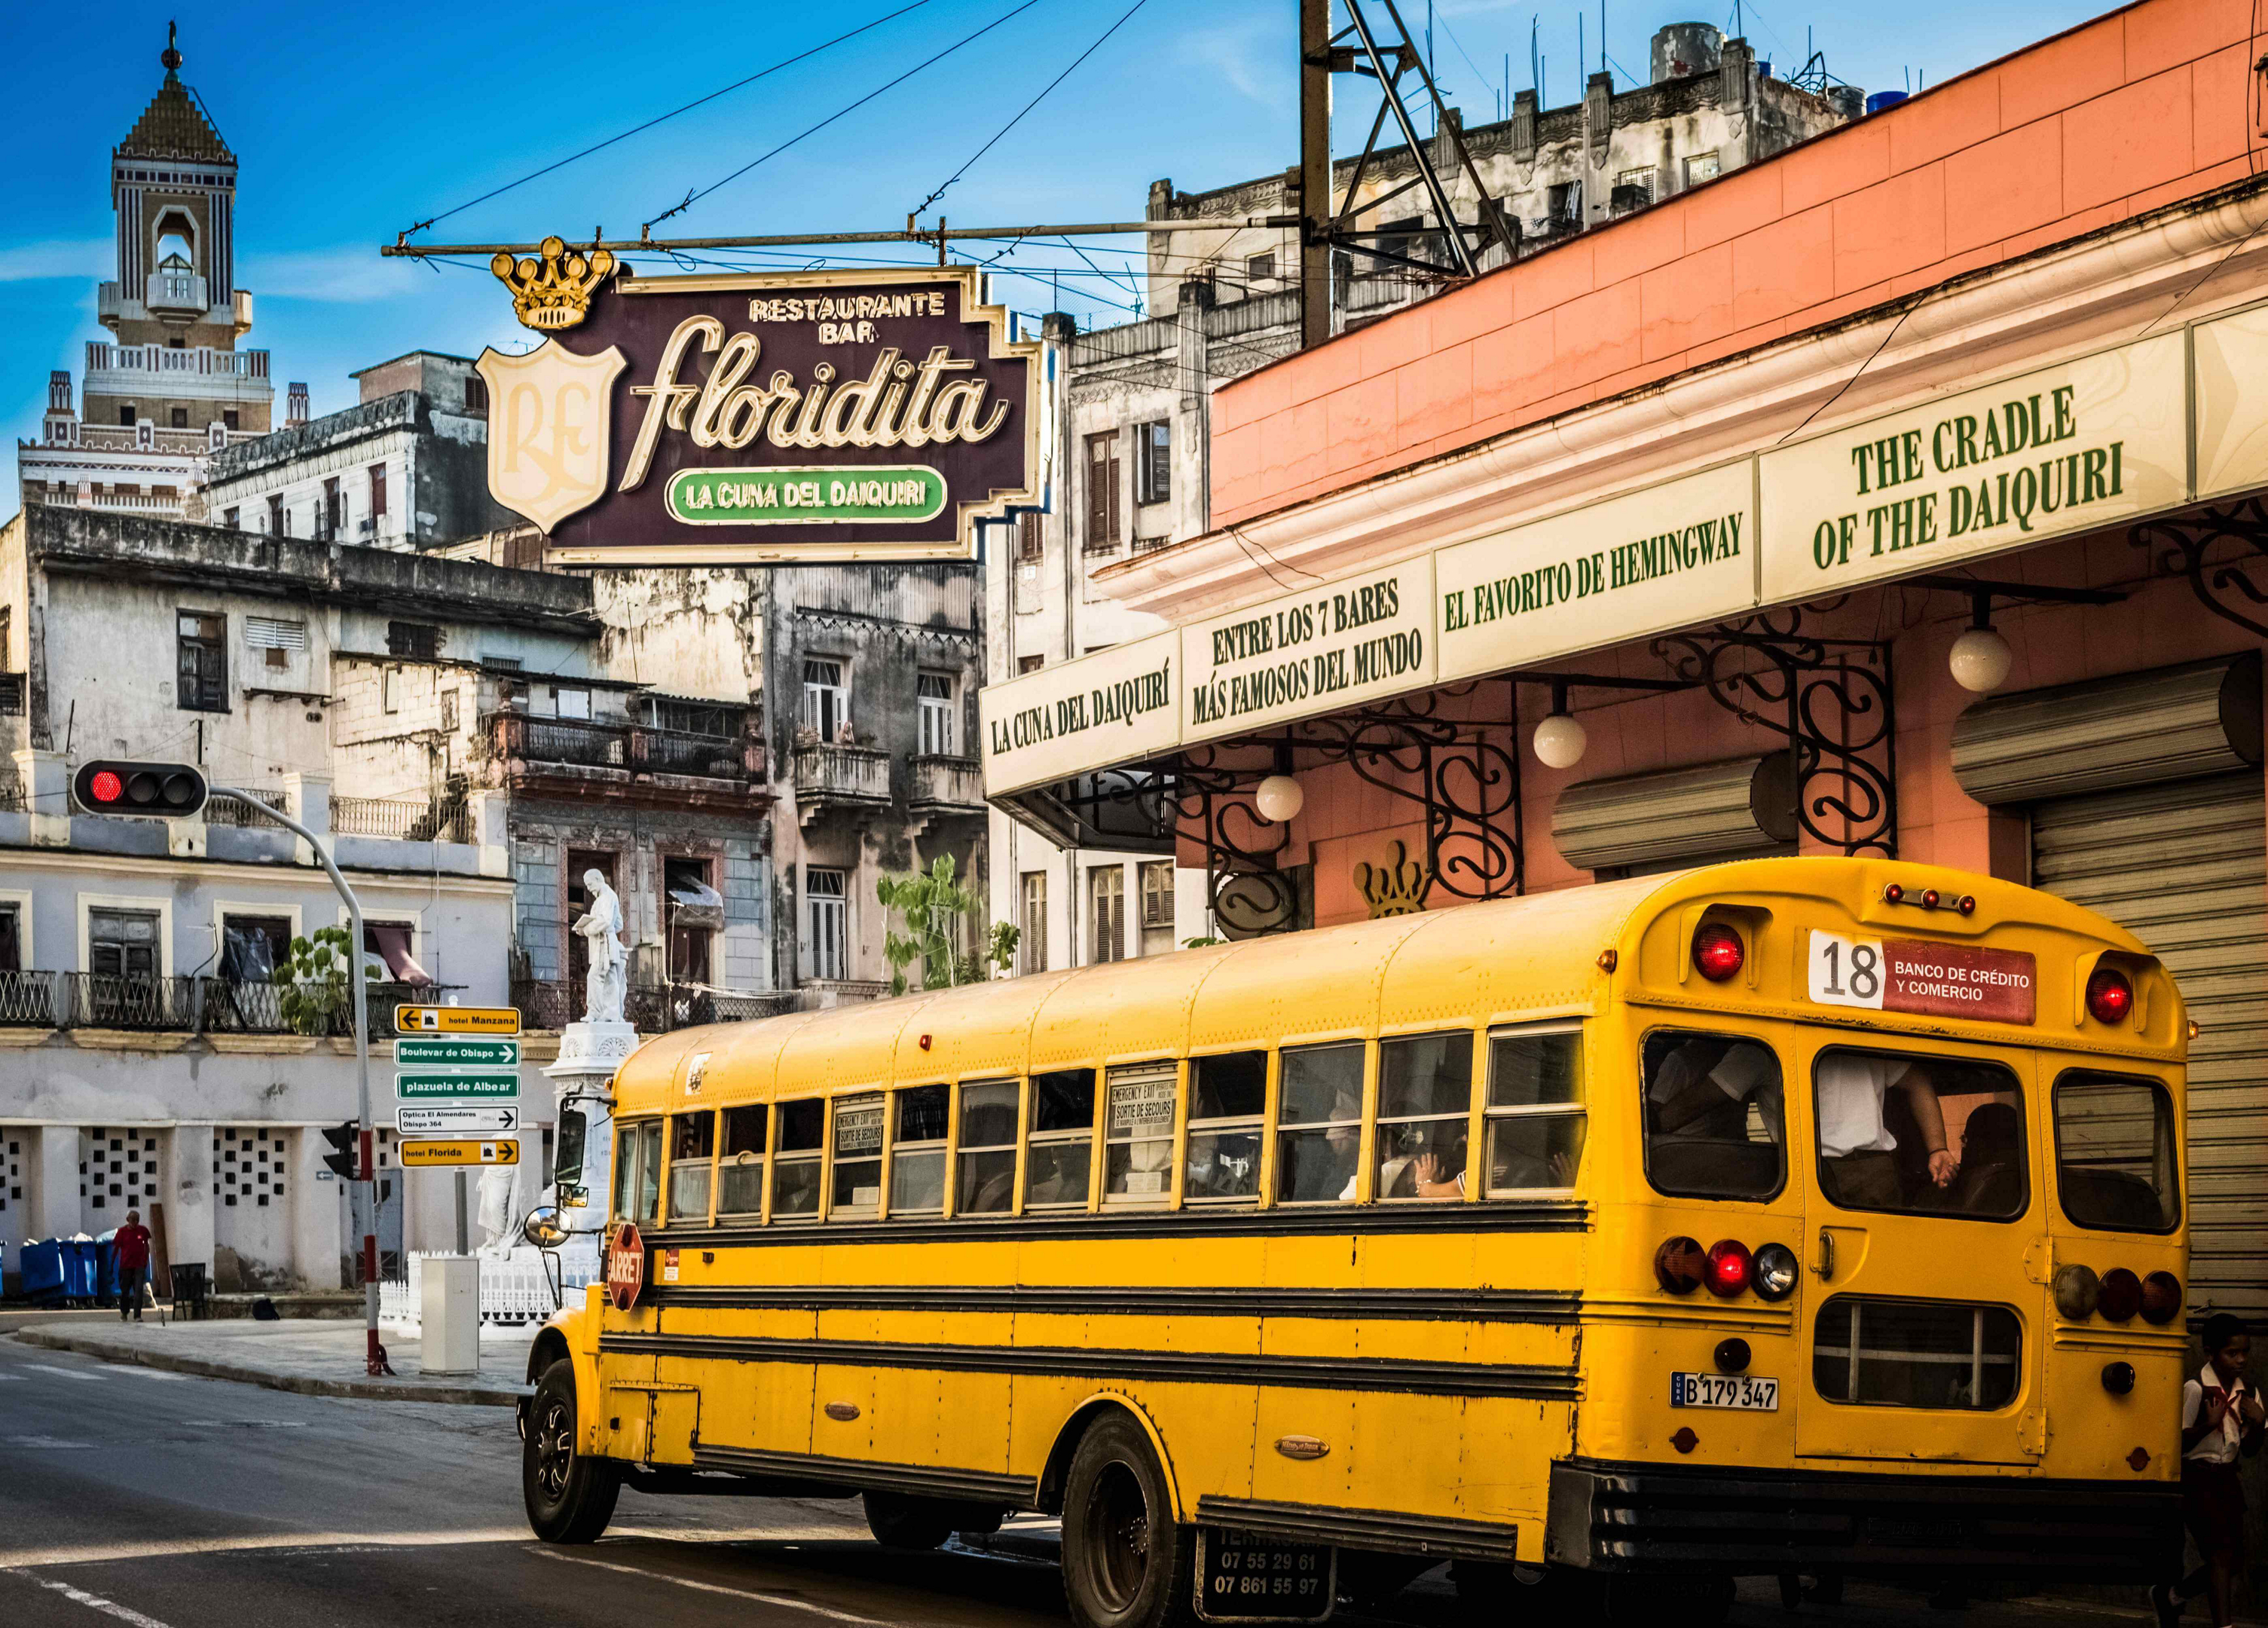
(549, 414)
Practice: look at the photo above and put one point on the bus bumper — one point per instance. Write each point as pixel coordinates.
(1625, 1517)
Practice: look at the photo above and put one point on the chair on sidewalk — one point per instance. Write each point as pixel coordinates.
(192, 1293)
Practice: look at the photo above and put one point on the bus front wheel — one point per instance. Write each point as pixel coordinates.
(570, 1496)
(901, 1522)
(1126, 1563)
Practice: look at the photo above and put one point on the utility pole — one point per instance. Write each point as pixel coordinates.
(1314, 172)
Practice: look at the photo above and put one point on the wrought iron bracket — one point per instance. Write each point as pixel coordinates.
(2183, 545)
(1830, 699)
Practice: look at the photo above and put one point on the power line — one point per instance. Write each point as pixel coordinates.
(692, 198)
(1028, 106)
(789, 61)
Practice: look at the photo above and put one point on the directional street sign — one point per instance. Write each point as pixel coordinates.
(464, 1084)
(454, 1051)
(457, 1019)
(459, 1151)
(453, 1119)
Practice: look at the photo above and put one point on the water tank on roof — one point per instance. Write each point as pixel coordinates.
(1880, 100)
(1684, 49)
(1848, 100)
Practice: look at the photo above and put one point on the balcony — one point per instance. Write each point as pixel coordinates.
(139, 1003)
(406, 820)
(944, 787)
(637, 760)
(548, 1005)
(107, 363)
(830, 778)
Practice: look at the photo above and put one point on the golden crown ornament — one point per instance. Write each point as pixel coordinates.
(1398, 889)
(554, 292)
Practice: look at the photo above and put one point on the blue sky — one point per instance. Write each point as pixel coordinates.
(353, 121)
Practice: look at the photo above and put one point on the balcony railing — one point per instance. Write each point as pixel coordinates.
(147, 1004)
(228, 811)
(406, 820)
(829, 776)
(948, 783)
(551, 1003)
(102, 356)
(638, 748)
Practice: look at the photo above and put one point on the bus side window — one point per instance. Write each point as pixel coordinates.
(638, 1171)
(1535, 1119)
(917, 1151)
(796, 1160)
(1061, 1150)
(1318, 1124)
(987, 1183)
(858, 1190)
(692, 1145)
(1228, 1098)
(740, 1168)
(1424, 1107)
(1714, 1124)
(1138, 1136)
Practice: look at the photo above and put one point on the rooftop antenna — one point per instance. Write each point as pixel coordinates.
(1582, 52)
(1535, 63)
(1602, 36)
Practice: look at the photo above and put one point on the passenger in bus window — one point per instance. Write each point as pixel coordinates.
(1424, 1099)
(1058, 1175)
(1991, 1162)
(1856, 1143)
(1713, 1116)
(1318, 1124)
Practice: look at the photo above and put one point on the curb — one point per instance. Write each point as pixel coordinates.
(362, 1390)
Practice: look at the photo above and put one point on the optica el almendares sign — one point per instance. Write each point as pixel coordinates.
(749, 417)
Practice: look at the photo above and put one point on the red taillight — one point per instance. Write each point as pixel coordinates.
(1679, 1265)
(1730, 1267)
(107, 787)
(1717, 952)
(2161, 1297)
(1929, 898)
(2109, 997)
(2121, 1297)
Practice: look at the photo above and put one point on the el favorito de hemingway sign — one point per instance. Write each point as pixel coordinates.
(2086, 443)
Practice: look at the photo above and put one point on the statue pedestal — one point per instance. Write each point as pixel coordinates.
(589, 1054)
(590, 1051)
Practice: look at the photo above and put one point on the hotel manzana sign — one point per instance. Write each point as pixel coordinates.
(867, 414)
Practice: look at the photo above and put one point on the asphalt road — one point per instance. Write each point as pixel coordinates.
(129, 1495)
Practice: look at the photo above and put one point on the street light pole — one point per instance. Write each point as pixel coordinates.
(375, 1356)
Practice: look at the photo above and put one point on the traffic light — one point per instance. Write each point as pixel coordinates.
(161, 791)
(343, 1160)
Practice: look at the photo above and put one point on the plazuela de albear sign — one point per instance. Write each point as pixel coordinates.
(753, 417)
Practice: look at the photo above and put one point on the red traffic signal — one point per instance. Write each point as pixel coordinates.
(158, 790)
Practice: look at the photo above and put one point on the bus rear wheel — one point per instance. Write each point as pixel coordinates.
(901, 1522)
(1126, 1563)
(570, 1496)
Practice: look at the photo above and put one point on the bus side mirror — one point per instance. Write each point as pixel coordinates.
(543, 1228)
(572, 1133)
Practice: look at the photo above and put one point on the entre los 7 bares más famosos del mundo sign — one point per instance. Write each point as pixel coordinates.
(869, 415)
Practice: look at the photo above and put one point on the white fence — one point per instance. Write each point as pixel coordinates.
(515, 1289)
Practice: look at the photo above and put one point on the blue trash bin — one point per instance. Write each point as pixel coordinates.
(80, 1264)
(42, 1266)
(105, 1267)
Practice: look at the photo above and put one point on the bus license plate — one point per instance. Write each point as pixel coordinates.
(1252, 1577)
(1724, 1390)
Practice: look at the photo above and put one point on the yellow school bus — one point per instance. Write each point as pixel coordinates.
(1809, 1217)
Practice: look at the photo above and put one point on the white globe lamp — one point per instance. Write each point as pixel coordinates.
(1980, 660)
(1560, 742)
(1279, 798)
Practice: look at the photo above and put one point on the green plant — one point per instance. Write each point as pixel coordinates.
(311, 980)
(1201, 944)
(933, 906)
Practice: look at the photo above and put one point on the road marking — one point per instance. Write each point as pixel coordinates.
(51, 1443)
(68, 1374)
(788, 1601)
(149, 1374)
(98, 1554)
(93, 1602)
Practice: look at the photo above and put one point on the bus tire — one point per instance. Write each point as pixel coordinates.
(901, 1522)
(1126, 1563)
(570, 1496)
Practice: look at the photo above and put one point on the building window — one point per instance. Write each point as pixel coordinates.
(1101, 492)
(1259, 269)
(253, 947)
(938, 711)
(201, 644)
(476, 394)
(569, 702)
(1033, 941)
(276, 516)
(275, 638)
(1700, 167)
(378, 492)
(121, 944)
(389, 689)
(695, 910)
(7, 620)
(1105, 895)
(12, 938)
(178, 419)
(1030, 664)
(1634, 190)
(1157, 906)
(228, 419)
(1153, 464)
(826, 698)
(1028, 547)
(126, 415)
(1565, 203)
(420, 639)
(333, 515)
(827, 912)
(448, 711)
(711, 719)
(228, 518)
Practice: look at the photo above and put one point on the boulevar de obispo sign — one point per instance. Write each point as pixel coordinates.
(753, 417)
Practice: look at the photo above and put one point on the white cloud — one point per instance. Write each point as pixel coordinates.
(353, 275)
(26, 263)
(1246, 55)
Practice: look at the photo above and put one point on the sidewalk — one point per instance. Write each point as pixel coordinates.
(316, 1357)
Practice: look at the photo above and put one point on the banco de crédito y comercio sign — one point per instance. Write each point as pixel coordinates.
(2098, 440)
(820, 415)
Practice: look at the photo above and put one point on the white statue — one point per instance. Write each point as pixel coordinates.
(499, 1233)
(606, 984)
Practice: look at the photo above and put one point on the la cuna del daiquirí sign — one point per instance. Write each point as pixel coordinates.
(872, 415)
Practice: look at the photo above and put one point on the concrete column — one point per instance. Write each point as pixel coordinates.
(190, 1198)
(487, 811)
(1598, 133)
(1523, 127)
(311, 806)
(316, 1239)
(46, 779)
(54, 1208)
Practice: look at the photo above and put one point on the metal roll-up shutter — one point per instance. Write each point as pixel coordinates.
(1743, 808)
(2180, 866)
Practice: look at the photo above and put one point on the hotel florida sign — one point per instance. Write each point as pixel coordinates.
(870, 414)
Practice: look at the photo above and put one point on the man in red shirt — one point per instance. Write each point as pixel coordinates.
(132, 1245)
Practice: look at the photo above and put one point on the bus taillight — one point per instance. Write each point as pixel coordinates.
(1717, 952)
(1679, 1265)
(2161, 1297)
(1776, 1271)
(2109, 997)
(2122, 1295)
(2077, 1289)
(1730, 1267)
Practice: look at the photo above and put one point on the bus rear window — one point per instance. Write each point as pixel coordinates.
(1714, 1124)
(2115, 1162)
(1921, 1134)
(1915, 1353)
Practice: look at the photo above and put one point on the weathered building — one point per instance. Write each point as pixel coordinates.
(169, 387)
